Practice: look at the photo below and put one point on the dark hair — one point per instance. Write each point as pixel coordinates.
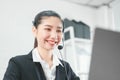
(38, 18)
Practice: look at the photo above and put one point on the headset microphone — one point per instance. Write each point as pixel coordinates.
(60, 47)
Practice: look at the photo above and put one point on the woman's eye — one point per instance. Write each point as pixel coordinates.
(59, 30)
(48, 29)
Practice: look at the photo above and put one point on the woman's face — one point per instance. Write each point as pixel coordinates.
(49, 32)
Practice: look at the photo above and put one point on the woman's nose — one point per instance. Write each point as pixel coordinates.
(54, 34)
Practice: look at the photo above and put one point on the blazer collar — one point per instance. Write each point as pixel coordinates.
(30, 55)
(60, 71)
(32, 66)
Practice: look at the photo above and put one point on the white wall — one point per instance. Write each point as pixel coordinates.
(116, 13)
(104, 17)
(16, 23)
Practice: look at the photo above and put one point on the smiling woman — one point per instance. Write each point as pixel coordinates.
(41, 63)
(49, 21)
(49, 32)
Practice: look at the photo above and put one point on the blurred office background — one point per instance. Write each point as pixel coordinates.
(80, 17)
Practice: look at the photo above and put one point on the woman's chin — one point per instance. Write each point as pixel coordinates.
(50, 47)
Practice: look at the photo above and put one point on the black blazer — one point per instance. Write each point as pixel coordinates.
(23, 68)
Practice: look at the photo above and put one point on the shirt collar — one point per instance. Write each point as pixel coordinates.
(37, 58)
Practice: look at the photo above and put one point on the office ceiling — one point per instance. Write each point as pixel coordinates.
(91, 3)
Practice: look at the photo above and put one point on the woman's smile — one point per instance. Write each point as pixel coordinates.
(51, 42)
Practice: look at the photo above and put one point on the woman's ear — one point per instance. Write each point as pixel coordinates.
(34, 31)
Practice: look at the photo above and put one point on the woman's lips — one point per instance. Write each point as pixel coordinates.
(51, 42)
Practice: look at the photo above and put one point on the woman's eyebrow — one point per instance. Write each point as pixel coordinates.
(48, 25)
(58, 27)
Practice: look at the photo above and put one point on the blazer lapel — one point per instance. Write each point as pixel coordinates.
(37, 69)
(60, 73)
(40, 72)
(32, 67)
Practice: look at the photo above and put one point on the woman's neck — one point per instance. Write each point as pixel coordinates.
(46, 55)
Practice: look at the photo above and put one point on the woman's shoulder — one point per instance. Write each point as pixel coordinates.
(22, 57)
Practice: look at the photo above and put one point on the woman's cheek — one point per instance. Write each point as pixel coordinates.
(59, 40)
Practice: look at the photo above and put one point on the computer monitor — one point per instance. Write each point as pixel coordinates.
(105, 57)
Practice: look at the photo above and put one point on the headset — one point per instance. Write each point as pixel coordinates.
(60, 47)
